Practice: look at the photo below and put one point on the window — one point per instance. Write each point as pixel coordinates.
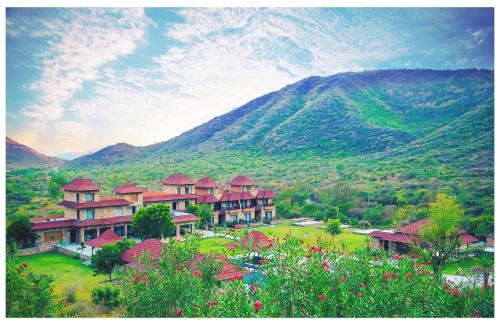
(134, 208)
(89, 214)
(77, 197)
(264, 201)
(129, 211)
(269, 214)
(244, 203)
(234, 218)
(118, 212)
(187, 189)
(178, 190)
(78, 214)
(120, 230)
(89, 197)
(186, 204)
(174, 205)
(230, 204)
(248, 217)
(211, 190)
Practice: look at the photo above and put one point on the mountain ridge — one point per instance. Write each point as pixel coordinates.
(19, 155)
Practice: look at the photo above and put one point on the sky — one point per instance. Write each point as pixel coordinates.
(81, 79)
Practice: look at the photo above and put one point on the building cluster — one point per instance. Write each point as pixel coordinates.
(88, 214)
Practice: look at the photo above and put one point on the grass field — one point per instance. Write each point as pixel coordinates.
(215, 244)
(313, 236)
(66, 272)
(464, 264)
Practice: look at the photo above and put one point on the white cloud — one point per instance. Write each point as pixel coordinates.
(224, 58)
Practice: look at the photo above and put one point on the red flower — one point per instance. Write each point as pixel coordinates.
(322, 297)
(409, 275)
(180, 312)
(230, 248)
(25, 265)
(456, 293)
(421, 272)
(257, 306)
(444, 284)
(237, 227)
(197, 273)
(385, 286)
(254, 290)
(315, 249)
(396, 257)
(211, 303)
(387, 275)
(342, 279)
(362, 286)
(238, 277)
(179, 267)
(325, 265)
(308, 256)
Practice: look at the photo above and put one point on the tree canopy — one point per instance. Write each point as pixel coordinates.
(154, 221)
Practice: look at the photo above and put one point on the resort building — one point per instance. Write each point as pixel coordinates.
(400, 240)
(88, 214)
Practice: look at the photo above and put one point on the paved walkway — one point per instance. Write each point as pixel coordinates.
(473, 281)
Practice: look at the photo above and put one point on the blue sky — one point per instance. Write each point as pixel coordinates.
(81, 79)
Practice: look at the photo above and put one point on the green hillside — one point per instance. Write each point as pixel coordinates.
(382, 133)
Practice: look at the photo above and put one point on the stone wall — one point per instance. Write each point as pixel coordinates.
(36, 250)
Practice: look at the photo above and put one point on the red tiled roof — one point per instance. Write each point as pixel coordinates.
(264, 194)
(253, 240)
(396, 237)
(413, 228)
(103, 222)
(242, 181)
(467, 239)
(178, 179)
(153, 246)
(128, 188)
(108, 237)
(80, 184)
(229, 271)
(161, 196)
(95, 204)
(53, 224)
(236, 196)
(207, 198)
(206, 182)
(184, 218)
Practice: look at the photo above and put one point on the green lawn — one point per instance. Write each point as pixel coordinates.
(66, 272)
(215, 244)
(464, 264)
(313, 236)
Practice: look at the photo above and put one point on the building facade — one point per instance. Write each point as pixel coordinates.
(88, 214)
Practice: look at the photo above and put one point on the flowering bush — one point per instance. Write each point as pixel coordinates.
(301, 283)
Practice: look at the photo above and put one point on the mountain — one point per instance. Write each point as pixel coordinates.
(417, 131)
(115, 154)
(21, 156)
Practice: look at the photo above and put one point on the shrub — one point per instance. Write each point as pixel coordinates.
(107, 297)
(70, 297)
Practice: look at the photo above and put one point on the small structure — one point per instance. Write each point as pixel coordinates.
(229, 271)
(254, 240)
(184, 222)
(400, 240)
(108, 237)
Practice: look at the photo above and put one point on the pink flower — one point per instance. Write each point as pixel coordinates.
(409, 275)
(362, 286)
(325, 265)
(197, 273)
(211, 303)
(238, 277)
(396, 257)
(180, 312)
(342, 279)
(456, 293)
(387, 275)
(257, 306)
(237, 226)
(322, 297)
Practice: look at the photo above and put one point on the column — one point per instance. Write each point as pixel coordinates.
(82, 234)
(125, 228)
(177, 230)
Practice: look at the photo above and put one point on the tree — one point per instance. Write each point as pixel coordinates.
(106, 259)
(27, 294)
(480, 226)
(109, 256)
(54, 189)
(407, 214)
(333, 227)
(19, 231)
(485, 265)
(153, 222)
(202, 211)
(442, 232)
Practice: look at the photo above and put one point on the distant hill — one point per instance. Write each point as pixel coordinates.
(21, 156)
(115, 154)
